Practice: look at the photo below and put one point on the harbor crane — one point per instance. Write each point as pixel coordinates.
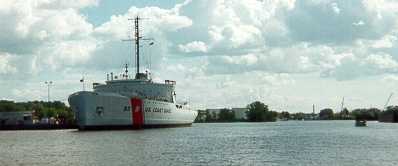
(388, 100)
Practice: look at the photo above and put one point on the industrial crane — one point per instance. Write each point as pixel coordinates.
(388, 100)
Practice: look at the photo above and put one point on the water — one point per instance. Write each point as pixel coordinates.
(277, 143)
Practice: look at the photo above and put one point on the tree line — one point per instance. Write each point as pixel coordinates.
(256, 112)
(259, 112)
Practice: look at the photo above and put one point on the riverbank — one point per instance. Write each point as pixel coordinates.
(37, 127)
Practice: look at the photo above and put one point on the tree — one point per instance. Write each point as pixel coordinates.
(202, 115)
(344, 114)
(56, 109)
(389, 115)
(298, 116)
(226, 115)
(326, 114)
(366, 114)
(284, 115)
(258, 112)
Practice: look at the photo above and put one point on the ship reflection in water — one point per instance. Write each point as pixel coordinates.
(275, 143)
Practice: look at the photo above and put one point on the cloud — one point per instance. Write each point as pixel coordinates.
(385, 42)
(47, 35)
(157, 24)
(232, 48)
(307, 21)
(359, 23)
(5, 64)
(156, 20)
(351, 67)
(195, 46)
(335, 8)
(63, 4)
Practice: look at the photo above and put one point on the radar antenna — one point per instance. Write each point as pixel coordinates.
(136, 40)
(126, 71)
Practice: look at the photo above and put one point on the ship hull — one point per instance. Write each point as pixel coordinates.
(94, 110)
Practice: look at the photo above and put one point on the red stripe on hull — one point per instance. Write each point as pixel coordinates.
(137, 112)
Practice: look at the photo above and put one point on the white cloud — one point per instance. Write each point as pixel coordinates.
(382, 61)
(359, 23)
(68, 53)
(5, 64)
(45, 32)
(391, 78)
(232, 48)
(195, 46)
(354, 66)
(60, 4)
(381, 7)
(386, 42)
(335, 8)
(157, 20)
(23, 94)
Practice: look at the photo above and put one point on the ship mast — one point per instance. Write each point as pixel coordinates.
(137, 39)
(137, 43)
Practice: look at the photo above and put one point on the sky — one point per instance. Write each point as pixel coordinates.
(289, 54)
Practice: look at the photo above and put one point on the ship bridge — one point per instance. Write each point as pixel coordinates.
(139, 87)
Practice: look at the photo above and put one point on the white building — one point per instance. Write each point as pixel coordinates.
(240, 113)
(214, 113)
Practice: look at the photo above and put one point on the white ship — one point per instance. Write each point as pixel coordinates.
(130, 103)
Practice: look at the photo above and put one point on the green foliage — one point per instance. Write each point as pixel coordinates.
(10, 106)
(389, 115)
(326, 114)
(298, 116)
(226, 115)
(258, 112)
(284, 115)
(343, 115)
(366, 113)
(41, 109)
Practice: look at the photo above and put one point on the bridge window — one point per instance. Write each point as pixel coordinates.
(99, 110)
(126, 108)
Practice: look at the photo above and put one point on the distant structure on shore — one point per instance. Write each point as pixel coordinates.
(25, 118)
(16, 118)
(222, 114)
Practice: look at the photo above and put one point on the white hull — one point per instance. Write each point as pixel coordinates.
(99, 109)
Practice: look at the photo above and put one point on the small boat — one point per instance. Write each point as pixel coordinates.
(360, 123)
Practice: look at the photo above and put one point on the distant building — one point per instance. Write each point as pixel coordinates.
(213, 113)
(310, 116)
(16, 118)
(240, 113)
(201, 116)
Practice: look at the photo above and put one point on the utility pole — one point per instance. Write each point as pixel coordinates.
(48, 83)
(313, 111)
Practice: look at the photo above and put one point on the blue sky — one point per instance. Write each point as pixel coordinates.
(288, 54)
(106, 8)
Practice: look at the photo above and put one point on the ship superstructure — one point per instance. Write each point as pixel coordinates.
(130, 102)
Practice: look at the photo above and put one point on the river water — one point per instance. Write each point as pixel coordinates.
(275, 143)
